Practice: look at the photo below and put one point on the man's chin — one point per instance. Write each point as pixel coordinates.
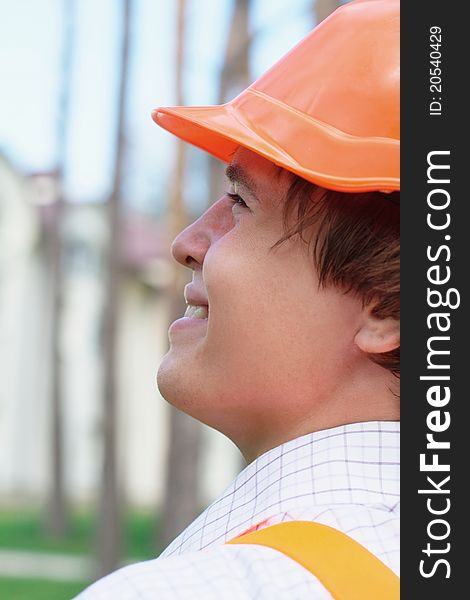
(165, 377)
(174, 380)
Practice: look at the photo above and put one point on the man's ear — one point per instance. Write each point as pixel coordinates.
(377, 336)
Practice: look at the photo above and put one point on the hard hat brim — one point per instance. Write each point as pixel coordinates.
(293, 140)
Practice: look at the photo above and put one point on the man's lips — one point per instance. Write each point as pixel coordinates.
(198, 304)
(197, 311)
(195, 296)
(195, 318)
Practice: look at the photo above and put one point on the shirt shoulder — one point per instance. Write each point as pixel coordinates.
(222, 573)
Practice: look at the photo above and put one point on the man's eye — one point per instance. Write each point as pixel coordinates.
(237, 199)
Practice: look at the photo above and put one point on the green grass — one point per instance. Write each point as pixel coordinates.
(22, 529)
(38, 589)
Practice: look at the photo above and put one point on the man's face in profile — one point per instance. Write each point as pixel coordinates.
(266, 347)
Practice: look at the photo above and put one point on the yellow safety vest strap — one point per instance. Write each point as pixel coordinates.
(345, 568)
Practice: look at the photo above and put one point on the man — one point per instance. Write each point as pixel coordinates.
(290, 343)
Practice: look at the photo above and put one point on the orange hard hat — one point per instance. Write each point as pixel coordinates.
(328, 110)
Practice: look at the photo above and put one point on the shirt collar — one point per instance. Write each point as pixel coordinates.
(354, 463)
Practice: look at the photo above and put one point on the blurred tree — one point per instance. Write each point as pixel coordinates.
(234, 77)
(109, 527)
(57, 518)
(180, 505)
(323, 8)
(181, 498)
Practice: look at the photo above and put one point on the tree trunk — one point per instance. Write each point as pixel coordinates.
(234, 78)
(181, 492)
(57, 518)
(181, 498)
(109, 528)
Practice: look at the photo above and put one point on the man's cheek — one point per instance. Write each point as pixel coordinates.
(228, 274)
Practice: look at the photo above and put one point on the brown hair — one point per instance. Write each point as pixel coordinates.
(357, 246)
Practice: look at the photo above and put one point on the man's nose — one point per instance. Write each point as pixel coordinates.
(190, 247)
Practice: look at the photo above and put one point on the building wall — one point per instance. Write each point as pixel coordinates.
(25, 313)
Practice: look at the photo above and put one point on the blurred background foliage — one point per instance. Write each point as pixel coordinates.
(95, 469)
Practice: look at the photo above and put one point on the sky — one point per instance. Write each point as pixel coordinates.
(31, 34)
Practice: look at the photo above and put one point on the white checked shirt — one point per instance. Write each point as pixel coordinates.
(346, 477)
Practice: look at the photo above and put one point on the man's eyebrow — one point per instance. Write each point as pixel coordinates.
(236, 174)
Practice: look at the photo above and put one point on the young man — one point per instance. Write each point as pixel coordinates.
(290, 343)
